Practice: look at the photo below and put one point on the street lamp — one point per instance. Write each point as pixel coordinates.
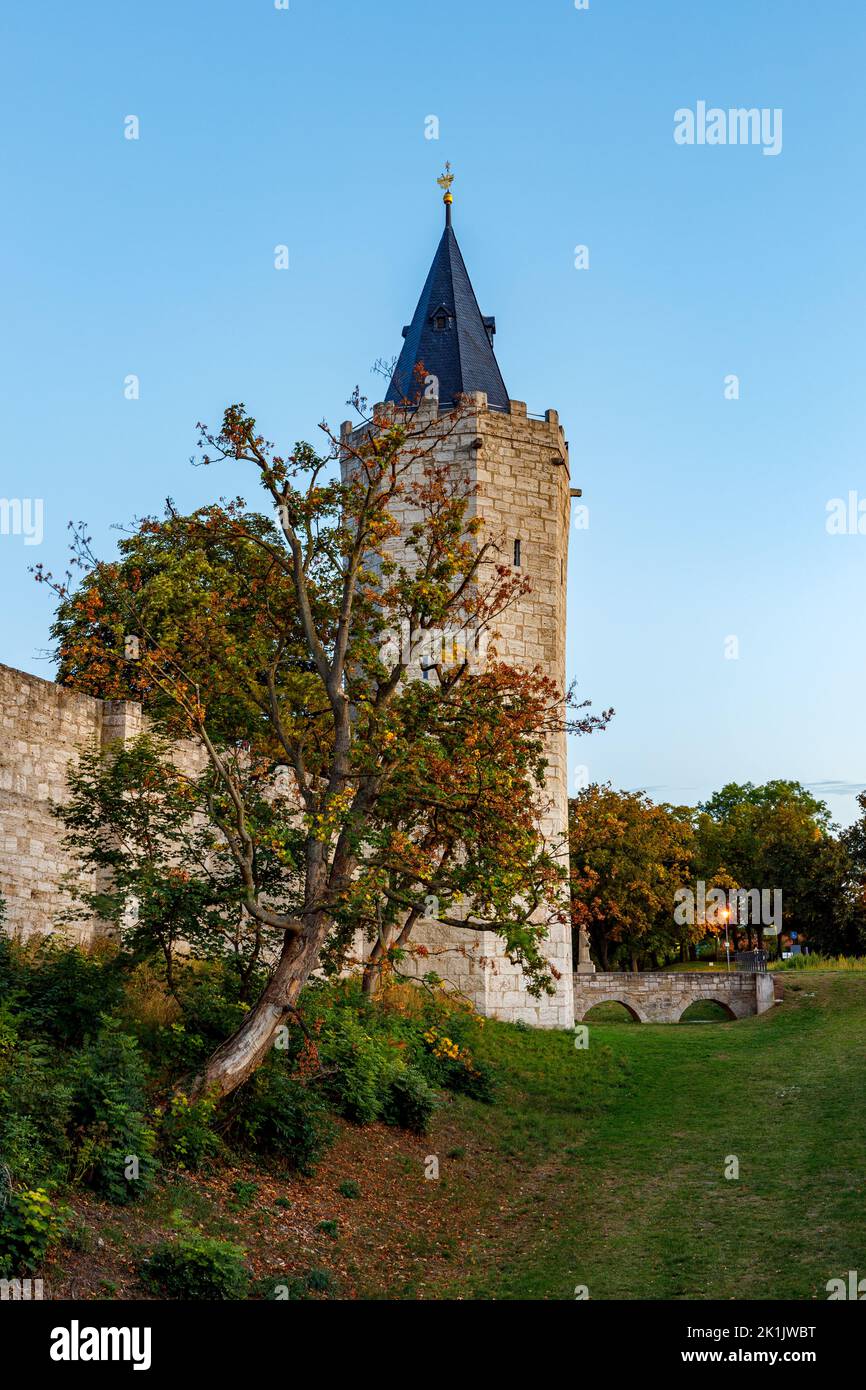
(726, 913)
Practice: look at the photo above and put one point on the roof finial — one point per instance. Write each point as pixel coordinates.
(445, 181)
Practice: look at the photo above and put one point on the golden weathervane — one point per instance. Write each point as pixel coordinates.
(445, 181)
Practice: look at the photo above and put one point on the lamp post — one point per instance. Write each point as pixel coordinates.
(726, 912)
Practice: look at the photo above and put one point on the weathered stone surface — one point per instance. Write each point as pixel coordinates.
(664, 996)
(519, 466)
(43, 729)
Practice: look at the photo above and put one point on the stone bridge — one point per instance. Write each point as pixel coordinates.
(664, 996)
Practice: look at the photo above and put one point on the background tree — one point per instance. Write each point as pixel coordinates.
(776, 836)
(628, 858)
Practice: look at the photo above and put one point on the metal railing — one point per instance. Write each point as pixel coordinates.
(753, 962)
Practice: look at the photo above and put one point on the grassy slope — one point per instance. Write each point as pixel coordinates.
(615, 1157)
(602, 1167)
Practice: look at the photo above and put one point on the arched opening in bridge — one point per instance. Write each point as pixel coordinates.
(611, 1011)
(707, 1011)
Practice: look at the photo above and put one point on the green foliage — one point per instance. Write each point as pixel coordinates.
(628, 857)
(410, 1101)
(35, 1102)
(58, 991)
(244, 1193)
(139, 823)
(212, 1008)
(295, 1287)
(186, 1135)
(363, 1065)
(779, 836)
(109, 1108)
(368, 1046)
(470, 1077)
(815, 961)
(278, 1115)
(349, 1188)
(197, 1269)
(29, 1224)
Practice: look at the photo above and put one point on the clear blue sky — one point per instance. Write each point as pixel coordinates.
(306, 127)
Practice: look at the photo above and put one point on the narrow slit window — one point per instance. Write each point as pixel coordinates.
(517, 552)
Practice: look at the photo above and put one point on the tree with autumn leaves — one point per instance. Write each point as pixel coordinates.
(628, 858)
(344, 795)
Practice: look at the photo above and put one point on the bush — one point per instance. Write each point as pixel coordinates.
(65, 991)
(410, 1102)
(815, 961)
(35, 1100)
(368, 1045)
(108, 1105)
(208, 999)
(470, 1077)
(364, 1065)
(29, 1224)
(279, 1115)
(197, 1268)
(453, 1065)
(186, 1135)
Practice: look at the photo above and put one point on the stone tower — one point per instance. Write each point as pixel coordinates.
(519, 466)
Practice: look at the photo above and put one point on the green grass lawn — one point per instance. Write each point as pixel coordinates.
(612, 1160)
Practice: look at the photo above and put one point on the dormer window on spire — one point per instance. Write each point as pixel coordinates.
(441, 319)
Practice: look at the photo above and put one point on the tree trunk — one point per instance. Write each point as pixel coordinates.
(373, 969)
(240, 1055)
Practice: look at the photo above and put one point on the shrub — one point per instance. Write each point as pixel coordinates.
(363, 1067)
(35, 1101)
(280, 1115)
(197, 1268)
(208, 997)
(472, 1078)
(816, 961)
(349, 1188)
(109, 1108)
(186, 1134)
(454, 1066)
(66, 990)
(244, 1193)
(410, 1102)
(29, 1224)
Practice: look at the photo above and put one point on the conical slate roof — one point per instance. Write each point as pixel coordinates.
(449, 336)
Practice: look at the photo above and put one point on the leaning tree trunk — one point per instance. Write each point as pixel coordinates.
(240, 1055)
(372, 976)
(375, 963)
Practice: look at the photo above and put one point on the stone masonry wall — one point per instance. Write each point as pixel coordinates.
(520, 468)
(42, 729)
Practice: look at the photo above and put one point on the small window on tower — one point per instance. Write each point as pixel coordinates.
(439, 323)
(517, 552)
